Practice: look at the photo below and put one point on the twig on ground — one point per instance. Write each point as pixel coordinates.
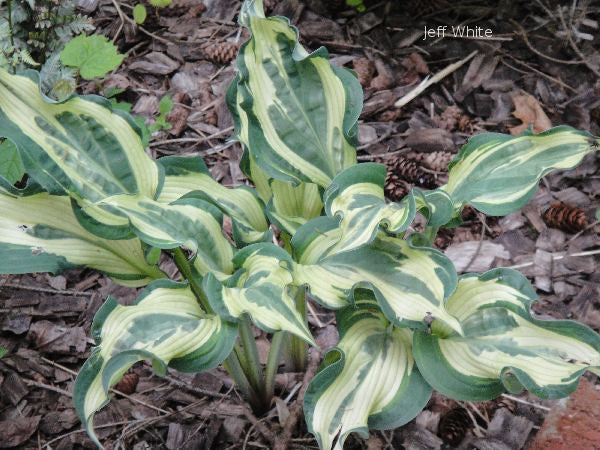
(47, 290)
(533, 69)
(261, 427)
(194, 389)
(312, 312)
(525, 402)
(284, 437)
(429, 81)
(579, 233)
(556, 257)
(521, 32)
(98, 427)
(123, 16)
(46, 386)
(114, 391)
(382, 155)
(198, 140)
(385, 135)
(573, 45)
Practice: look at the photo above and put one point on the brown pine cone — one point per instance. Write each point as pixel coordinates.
(410, 171)
(454, 426)
(395, 187)
(437, 161)
(402, 175)
(565, 217)
(221, 52)
(128, 383)
(365, 70)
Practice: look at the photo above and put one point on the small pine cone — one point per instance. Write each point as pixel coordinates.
(221, 52)
(565, 217)
(410, 171)
(437, 161)
(365, 70)
(454, 426)
(128, 383)
(449, 117)
(395, 187)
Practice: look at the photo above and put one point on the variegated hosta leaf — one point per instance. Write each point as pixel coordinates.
(262, 288)
(356, 197)
(369, 381)
(190, 175)
(436, 206)
(82, 148)
(503, 347)
(189, 222)
(79, 147)
(498, 174)
(40, 233)
(289, 206)
(166, 326)
(410, 283)
(295, 113)
(292, 206)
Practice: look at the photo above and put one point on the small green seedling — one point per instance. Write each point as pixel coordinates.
(93, 56)
(139, 13)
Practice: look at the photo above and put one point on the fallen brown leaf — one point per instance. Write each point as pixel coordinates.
(530, 112)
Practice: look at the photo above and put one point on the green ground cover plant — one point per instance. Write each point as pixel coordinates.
(408, 322)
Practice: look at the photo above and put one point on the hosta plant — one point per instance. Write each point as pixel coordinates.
(315, 226)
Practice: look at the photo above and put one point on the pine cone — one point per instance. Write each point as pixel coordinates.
(402, 175)
(395, 187)
(565, 217)
(410, 171)
(221, 52)
(128, 383)
(437, 161)
(454, 426)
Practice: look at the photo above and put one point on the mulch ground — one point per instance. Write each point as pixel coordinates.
(540, 68)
